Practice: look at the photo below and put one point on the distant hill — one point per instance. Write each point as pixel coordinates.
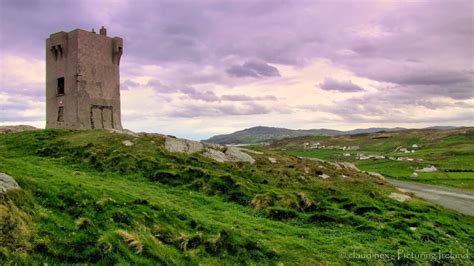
(261, 134)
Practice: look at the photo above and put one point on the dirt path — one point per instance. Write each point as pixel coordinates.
(450, 198)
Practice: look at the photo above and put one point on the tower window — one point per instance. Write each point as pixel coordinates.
(61, 114)
(61, 86)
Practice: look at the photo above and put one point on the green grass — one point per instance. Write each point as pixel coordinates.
(86, 198)
(447, 150)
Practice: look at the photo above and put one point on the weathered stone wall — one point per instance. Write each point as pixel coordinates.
(90, 67)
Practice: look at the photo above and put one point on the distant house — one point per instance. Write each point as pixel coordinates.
(428, 169)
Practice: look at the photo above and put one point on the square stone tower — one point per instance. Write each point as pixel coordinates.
(82, 80)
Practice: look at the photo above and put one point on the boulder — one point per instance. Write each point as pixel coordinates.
(324, 176)
(7, 183)
(272, 160)
(399, 197)
(215, 155)
(214, 146)
(216, 152)
(124, 131)
(234, 154)
(127, 143)
(183, 145)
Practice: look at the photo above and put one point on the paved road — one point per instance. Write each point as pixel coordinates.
(450, 198)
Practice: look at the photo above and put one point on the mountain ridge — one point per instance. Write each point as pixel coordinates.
(261, 134)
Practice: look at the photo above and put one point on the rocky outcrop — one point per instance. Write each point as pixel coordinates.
(123, 131)
(183, 145)
(215, 155)
(234, 154)
(219, 153)
(14, 129)
(7, 183)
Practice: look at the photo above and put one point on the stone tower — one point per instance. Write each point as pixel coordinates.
(82, 80)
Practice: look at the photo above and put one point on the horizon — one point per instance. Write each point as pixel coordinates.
(199, 69)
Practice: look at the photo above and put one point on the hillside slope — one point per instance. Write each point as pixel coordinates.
(88, 198)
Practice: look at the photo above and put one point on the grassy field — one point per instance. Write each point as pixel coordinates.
(451, 151)
(87, 198)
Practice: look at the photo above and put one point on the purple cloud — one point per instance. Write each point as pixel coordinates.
(127, 84)
(255, 69)
(420, 50)
(244, 98)
(199, 110)
(340, 86)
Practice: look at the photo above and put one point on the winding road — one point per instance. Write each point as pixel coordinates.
(450, 198)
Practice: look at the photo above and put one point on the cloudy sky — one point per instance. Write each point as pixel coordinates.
(199, 68)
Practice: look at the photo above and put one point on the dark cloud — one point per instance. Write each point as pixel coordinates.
(255, 69)
(340, 86)
(207, 96)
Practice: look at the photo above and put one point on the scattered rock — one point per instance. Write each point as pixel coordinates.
(399, 197)
(377, 175)
(324, 176)
(414, 175)
(127, 143)
(14, 129)
(413, 228)
(428, 169)
(272, 160)
(306, 170)
(183, 145)
(7, 183)
(302, 177)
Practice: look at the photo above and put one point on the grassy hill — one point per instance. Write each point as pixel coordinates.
(450, 150)
(87, 198)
